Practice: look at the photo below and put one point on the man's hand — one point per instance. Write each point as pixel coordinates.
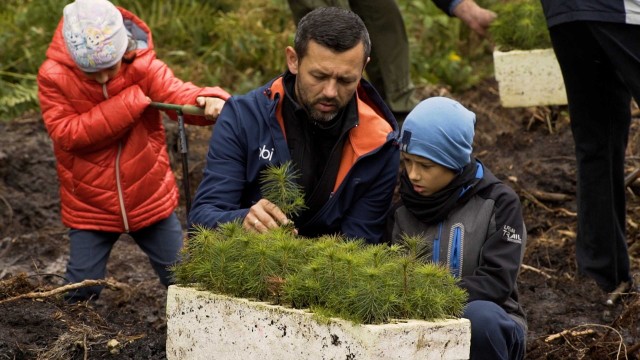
(212, 107)
(476, 17)
(264, 215)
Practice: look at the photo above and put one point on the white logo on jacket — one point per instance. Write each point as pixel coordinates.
(510, 234)
(264, 153)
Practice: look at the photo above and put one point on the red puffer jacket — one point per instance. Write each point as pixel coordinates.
(110, 147)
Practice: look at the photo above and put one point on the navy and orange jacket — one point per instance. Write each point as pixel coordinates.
(249, 136)
(109, 144)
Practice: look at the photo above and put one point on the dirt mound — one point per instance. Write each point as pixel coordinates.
(531, 149)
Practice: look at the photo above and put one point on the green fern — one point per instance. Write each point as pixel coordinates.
(17, 97)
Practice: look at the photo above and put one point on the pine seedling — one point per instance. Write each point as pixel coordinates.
(415, 251)
(415, 247)
(303, 289)
(433, 292)
(189, 269)
(289, 253)
(407, 266)
(371, 296)
(520, 25)
(278, 185)
(373, 299)
(322, 243)
(239, 274)
(351, 246)
(328, 263)
(331, 263)
(224, 255)
(349, 262)
(230, 230)
(377, 255)
(260, 266)
(332, 276)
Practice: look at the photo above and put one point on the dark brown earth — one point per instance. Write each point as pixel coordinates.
(531, 149)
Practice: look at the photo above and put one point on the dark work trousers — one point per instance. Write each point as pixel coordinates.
(600, 64)
(494, 334)
(389, 69)
(90, 251)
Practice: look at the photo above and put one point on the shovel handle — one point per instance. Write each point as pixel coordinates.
(185, 109)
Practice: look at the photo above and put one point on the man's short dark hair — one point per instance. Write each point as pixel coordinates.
(334, 28)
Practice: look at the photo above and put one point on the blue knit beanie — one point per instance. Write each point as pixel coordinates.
(441, 130)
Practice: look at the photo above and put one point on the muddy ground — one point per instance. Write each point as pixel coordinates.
(531, 149)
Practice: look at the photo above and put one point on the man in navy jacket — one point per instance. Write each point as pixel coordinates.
(597, 43)
(322, 116)
(389, 70)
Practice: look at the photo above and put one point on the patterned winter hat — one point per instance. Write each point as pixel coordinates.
(94, 33)
(441, 130)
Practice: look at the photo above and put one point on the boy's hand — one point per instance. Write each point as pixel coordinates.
(212, 107)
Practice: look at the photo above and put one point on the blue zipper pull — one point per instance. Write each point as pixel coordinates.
(436, 245)
(454, 259)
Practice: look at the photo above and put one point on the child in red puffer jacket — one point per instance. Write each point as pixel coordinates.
(95, 87)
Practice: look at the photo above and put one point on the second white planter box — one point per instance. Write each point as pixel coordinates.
(203, 325)
(529, 78)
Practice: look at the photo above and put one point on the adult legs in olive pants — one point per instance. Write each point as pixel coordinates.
(388, 69)
(600, 64)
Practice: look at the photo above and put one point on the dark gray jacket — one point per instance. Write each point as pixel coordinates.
(617, 11)
(482, 242)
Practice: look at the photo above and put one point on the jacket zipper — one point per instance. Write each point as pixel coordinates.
(120, 195)
(123, 212)
(455, 247)
(436, 245)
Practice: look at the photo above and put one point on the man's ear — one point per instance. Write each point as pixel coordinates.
(366, 62)
(292, 60)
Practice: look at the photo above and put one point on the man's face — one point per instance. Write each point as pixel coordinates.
(426, 176)
(326, 80)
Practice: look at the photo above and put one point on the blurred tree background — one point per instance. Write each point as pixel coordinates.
(238, 45)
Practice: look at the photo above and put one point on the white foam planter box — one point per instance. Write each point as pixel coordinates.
(203, 325)
(529, 78)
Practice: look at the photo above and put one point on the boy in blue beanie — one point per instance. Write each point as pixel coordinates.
(469, 221)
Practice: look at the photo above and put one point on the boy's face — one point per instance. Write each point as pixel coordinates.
(104, 75)
(426, 176)
(326, 81)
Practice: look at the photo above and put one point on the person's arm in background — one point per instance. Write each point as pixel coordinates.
(473, 15)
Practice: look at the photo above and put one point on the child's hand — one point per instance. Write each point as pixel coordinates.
(212, 106)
